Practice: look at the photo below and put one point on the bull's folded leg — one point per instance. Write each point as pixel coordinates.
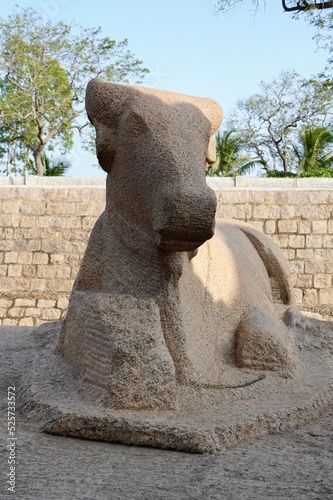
(263, 342)
(116, 342)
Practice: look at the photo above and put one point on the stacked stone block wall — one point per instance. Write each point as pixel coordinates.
(44, 231)
(43, 234)
(300, 221)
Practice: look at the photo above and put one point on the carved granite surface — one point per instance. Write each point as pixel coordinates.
(173, 310)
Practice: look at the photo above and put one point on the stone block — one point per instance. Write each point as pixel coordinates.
(328, 241)
(257, 196)
(239, 196)
(304, 227)
(40, 258)
(258, 224)
(88, 222)
(15, 312)
(3, 312)
(324, 254)
(310, 297)
(11, 257)
(63, 208)
(303, 281)
(298, 295)
(326, 296)
(307, 212)
(32, 311)
(34, 245)
(24, 258)
(6, 220)
(10, 207)
(86, 209)
(57, 259)
(289, 253)
(46, 271)
(62, 303)
(270, 227)
(281, 197)
(3, 270)
(314, 266)
(296, 241)
(313, 241)
(14, 270)
(287, 226)
(26, 322)
(319, 226)
(261, 212)
(6, 303)
(50, 314)
(6, 245)
(322, 280)
(42, 303)
(275, 212)
(32, 208)
(29, 271)
(307, 253)
(9, 322)
(296, 266)
(319, 197)
(243, 212)
(8, 193)
(38, 285)
(59, 285)
(25, 302)
(298, 197)
(62, 272)
(288, 211)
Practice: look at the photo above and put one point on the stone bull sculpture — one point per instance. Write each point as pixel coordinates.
(166, 296)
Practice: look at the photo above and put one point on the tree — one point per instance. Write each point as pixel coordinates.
(268, 121)
(287, 5)
(54, 167)
(315, 152)
(230, 157)
(44, 69)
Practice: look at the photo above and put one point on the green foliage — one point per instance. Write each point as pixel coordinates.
(279, 173)
(268, 121)
(54, 167)
(230, 157)
(314, 152)
(44, 69)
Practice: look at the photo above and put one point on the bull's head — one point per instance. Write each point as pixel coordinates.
(155, 146)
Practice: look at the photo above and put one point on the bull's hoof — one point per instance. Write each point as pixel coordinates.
(263, 343)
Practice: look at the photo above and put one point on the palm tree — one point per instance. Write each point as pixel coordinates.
(229, 158)
(55, 167)
(315, 152)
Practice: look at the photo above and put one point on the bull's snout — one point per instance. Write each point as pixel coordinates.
(184, 221)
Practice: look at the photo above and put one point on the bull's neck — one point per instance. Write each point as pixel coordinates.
(138, 268)
(130, 234)
(135, 259)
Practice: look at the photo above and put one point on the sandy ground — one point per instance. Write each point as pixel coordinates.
(295, 464)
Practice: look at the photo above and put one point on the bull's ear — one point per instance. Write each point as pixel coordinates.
(212, 111)
(105, 101)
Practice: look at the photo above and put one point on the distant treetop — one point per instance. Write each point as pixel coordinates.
(287, 5)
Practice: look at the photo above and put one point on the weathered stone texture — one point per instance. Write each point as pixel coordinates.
(50, 226)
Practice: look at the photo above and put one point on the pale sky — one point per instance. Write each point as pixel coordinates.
(189, 49)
